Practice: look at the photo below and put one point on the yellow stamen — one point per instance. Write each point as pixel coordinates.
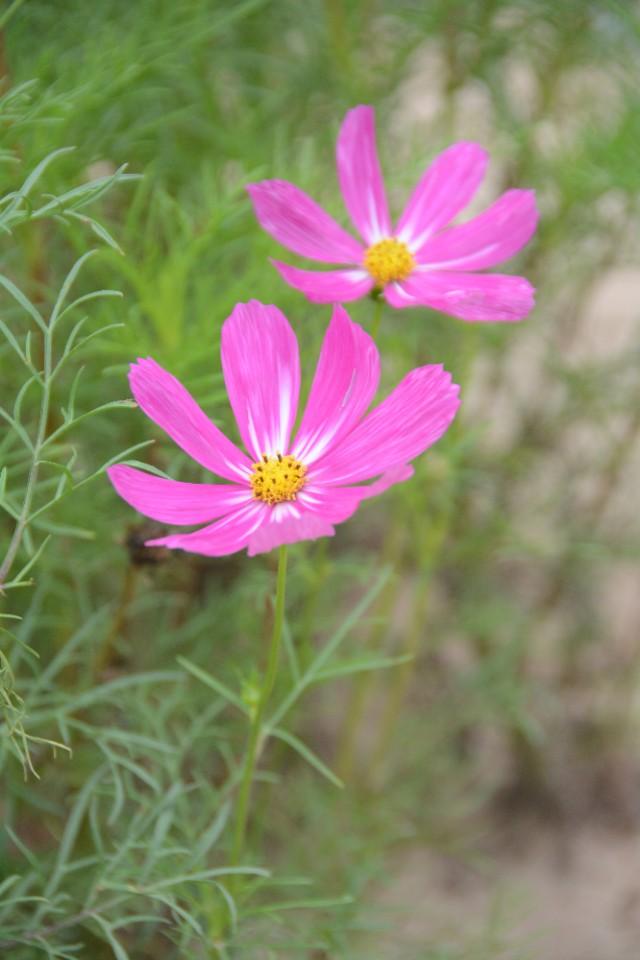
(389, 260)
(278, 478)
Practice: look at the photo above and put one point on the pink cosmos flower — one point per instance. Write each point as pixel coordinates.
(284, 490)
(417, 262)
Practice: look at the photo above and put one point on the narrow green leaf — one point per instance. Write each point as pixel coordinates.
(24, 302)
(92, 476)
(69, 280)
(307, 754)
(17, 426)
(119, 951)
(317, 903)
(10, 338)
(111, 405)
(32, 560)
(290, 650)
(201, 875)
(37, 172)
(9, 12)
(360, 666)
(330, 648)
(71, 830)
(85, 298)
(99, 229)
(214, 684)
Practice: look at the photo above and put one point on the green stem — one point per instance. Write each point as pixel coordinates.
(377, 317)
(429, 537)
(322, 569)
(32, 480)
(400, 682)
(255, 729)
(338, 34)
(361, 689)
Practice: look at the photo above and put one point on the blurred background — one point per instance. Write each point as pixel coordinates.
(492, 800)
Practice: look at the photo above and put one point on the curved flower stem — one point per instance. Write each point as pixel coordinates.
(377, 317)
(255, 729)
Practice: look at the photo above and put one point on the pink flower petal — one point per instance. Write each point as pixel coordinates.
(225, 536)
(171, 406)
(333, 286)
(171, 501)
(262, 372)
(331, 504)
(316, 510)
(490, 238)
(360, 176)
(477, 297)
(300, 224)
(398, 474)
(409, 420)
(288, 523)
(345, 383)
(444, 190)
(337, 504)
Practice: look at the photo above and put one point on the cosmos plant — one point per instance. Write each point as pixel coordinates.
(422, 260)
(290, 485)
(286, 489)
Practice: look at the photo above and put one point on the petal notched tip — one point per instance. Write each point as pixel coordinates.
(470, 148)
(147, 372)
(248, 311)
(362, 111)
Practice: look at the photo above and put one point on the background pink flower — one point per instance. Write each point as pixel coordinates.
(418, 262)
(284, 491)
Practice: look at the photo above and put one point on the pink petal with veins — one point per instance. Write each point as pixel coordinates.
(360, 175)
(262, 374)
(300, 224)
(476, 297)
(331, 286)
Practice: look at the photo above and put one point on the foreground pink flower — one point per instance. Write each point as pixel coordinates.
(284, 491)
(418, 262)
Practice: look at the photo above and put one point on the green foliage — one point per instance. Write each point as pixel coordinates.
(127, 135)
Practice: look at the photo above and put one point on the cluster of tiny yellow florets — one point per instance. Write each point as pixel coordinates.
(278, 478)
(389, 260)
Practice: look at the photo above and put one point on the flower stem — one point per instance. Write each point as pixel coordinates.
(32, 479)
(400, 682)
(255, 729)
(377, 317)
(362, 687)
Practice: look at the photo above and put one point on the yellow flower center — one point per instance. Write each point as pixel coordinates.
(389, 260)
(278, 478)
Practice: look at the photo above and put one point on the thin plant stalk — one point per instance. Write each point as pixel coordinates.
(400, 682)
(45, 379)
(335, 13)
(361, 689)
(431, 541)
(377, 317)
(255, 729)
(309, 618)
(32, 479)
(430, 537)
